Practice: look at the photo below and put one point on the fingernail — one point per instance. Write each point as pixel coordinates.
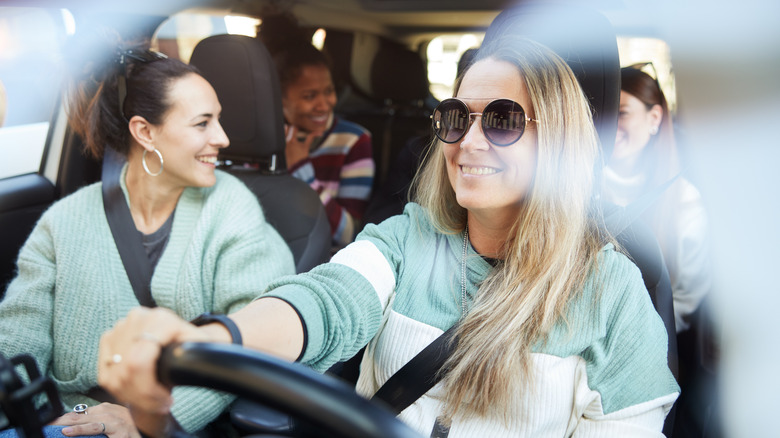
(67, 431)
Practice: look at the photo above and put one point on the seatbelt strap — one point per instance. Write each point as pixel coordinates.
(418, 375)
(622, 217)
(126, 237)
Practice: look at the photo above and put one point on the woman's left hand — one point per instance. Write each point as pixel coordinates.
(106, 418)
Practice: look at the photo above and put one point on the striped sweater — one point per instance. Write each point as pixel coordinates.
(341, 170)
(397, 288)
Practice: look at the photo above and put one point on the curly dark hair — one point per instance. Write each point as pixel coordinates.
(290, 46)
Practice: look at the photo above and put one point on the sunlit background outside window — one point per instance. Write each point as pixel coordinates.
(443, 55)
(30, 44)
(179, 35)
(318, 39)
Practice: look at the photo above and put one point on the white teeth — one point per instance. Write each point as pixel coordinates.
(478, 170)
(211, 159)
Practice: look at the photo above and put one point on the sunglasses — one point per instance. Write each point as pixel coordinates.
(503, 121)
(646, 67)
(123, 59)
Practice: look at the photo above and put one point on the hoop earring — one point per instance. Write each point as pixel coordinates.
(146, 168)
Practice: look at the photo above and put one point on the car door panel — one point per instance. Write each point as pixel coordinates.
(22, 201)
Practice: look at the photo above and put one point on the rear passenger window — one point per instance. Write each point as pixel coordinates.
(443, 54)
(652, 55)
(30, 79)
(178, 36)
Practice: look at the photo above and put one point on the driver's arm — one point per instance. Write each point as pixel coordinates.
(129, 352)
(274, 324)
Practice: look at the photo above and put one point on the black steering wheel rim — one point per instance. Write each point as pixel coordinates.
(287, 387)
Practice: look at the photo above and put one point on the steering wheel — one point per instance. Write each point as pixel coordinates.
(289, 387)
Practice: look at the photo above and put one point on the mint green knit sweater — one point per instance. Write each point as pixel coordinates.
(71, 285)
(398, 287)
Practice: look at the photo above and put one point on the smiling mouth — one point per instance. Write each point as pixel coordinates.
(208, 159)
(478, 170)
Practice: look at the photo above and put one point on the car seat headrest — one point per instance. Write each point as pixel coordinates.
(398, 74)
(244, 76)
(377, 68)
(587, 42)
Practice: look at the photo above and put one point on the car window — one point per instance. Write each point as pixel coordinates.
(652, 55)
(178, 35)
(443, 54)
(30, 44)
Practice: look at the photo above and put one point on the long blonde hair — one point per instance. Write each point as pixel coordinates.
(549, 251)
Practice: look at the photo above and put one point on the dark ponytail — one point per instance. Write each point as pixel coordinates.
(93, 97)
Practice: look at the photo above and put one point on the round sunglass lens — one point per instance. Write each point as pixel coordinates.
(450, 120)
(503, 122)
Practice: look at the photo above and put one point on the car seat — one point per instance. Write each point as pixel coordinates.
(385, 89)
(245, 79)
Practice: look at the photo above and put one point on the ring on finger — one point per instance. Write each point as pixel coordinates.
(114, 359)
(104, 427)
(80, 408)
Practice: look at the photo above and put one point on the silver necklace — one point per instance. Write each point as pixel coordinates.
(463, 271)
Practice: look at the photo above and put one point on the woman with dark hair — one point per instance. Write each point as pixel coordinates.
(556, 334)
(334, 156)
(645, 156)
(208, 245)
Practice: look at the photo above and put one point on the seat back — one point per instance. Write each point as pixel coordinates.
(245, 79)
(399, 78)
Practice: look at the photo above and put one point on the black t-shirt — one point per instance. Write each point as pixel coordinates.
(154, 243)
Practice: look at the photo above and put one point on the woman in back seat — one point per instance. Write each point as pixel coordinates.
(645, 157)
(334, 156)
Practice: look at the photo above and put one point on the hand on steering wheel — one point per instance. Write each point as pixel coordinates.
(127, 362)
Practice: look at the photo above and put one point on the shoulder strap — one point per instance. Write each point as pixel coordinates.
(622, 217)
(418, 375)
(126, 236)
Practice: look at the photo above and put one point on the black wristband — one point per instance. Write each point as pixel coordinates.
(231, 326)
